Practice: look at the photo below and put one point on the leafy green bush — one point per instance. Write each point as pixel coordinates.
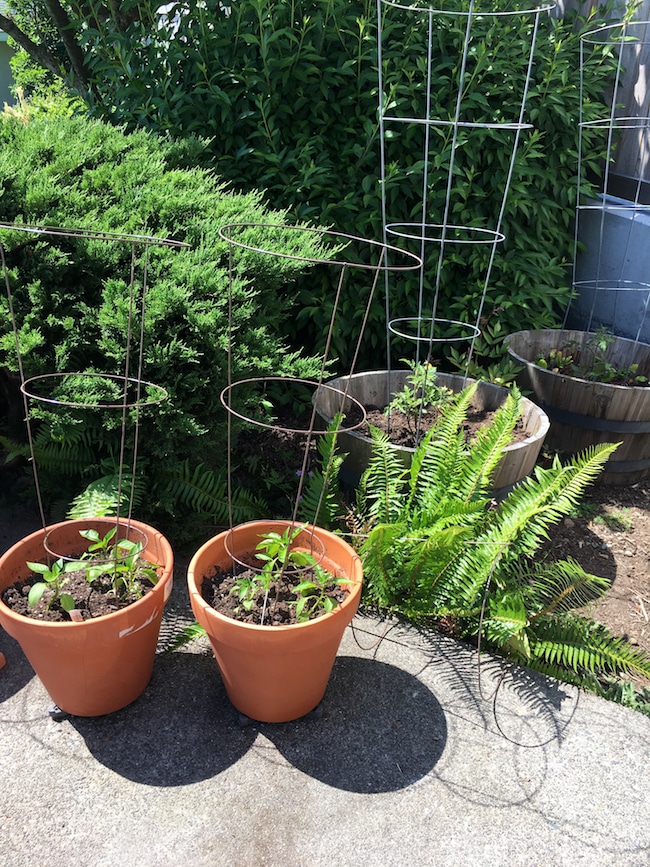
(71, 300)
(288, 94)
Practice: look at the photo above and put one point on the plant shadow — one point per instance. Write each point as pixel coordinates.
(181, 730)
(381, 729)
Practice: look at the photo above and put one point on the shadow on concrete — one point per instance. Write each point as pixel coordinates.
(181, 730)
(381, 729)
(18, 672)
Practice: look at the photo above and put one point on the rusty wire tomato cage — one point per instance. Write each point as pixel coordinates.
(341, 251)
(129, 391)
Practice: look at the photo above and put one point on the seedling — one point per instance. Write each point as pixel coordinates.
(54, 579)
(281, 560)
(421, 395)
(120, 560)
(589, 361)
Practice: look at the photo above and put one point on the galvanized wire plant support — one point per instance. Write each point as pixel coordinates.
(134, 392)
(434, 232)
(600, 283)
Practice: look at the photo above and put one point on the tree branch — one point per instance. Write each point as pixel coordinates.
(37, 52)
(67, 33)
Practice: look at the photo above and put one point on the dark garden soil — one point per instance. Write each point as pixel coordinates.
(91, 600)
(609, 535)
(403, 429)
(279, 608)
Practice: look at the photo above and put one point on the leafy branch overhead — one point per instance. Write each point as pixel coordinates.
(65, 58)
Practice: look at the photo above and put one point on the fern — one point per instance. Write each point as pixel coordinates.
(185, 636)
(439, 547)
(486, 450)
(206, 492)
(101, 497)
(581, 647)
(561, 587)
(443, 448)
(380, 492)
(320, 503)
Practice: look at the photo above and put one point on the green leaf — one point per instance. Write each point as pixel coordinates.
(35, 593)
(39, 568)
(67, 602)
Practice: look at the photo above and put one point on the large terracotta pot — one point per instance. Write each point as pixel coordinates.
(377, 387)
(584, 413)
(103, 664)
(274, 673)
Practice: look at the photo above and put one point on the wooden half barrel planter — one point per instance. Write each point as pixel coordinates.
(376, 388)
(584, 413)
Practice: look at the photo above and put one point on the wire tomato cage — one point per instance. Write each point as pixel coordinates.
(126, 392)
(309, 247)
(443, 147)
(610, 223)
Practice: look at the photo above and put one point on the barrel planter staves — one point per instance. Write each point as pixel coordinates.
(373, 388)
(584, 413)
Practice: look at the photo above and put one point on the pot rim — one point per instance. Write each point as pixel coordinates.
(350, 599)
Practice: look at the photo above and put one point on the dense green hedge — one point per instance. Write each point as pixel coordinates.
(287, 93)
(70, 296)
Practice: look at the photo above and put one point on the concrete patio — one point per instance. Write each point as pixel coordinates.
(416, 761)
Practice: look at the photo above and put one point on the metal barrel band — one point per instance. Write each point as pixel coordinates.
(626, 466)
(592, 423)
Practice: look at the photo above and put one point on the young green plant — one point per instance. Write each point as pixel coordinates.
(281, 559)
(53, 579)
(421, 394)
(121, 560)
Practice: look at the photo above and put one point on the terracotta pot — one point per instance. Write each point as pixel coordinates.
(103, 664)
(584, 413)
(377, 387)
(273, 673)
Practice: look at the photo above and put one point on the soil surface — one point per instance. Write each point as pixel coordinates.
(609, 535)
(279, 608)
(91, 600)
(406, 431)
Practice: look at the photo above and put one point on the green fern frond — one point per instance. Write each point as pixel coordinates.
(185, 636)
(487, 448)
(377, 552)
(380, 494)
(68, 459)
(584, 648)
(443, 449)
(14, 449)
(320, 503)
(561, 586)
(520, 523)
(101, 497)
(206, 492)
